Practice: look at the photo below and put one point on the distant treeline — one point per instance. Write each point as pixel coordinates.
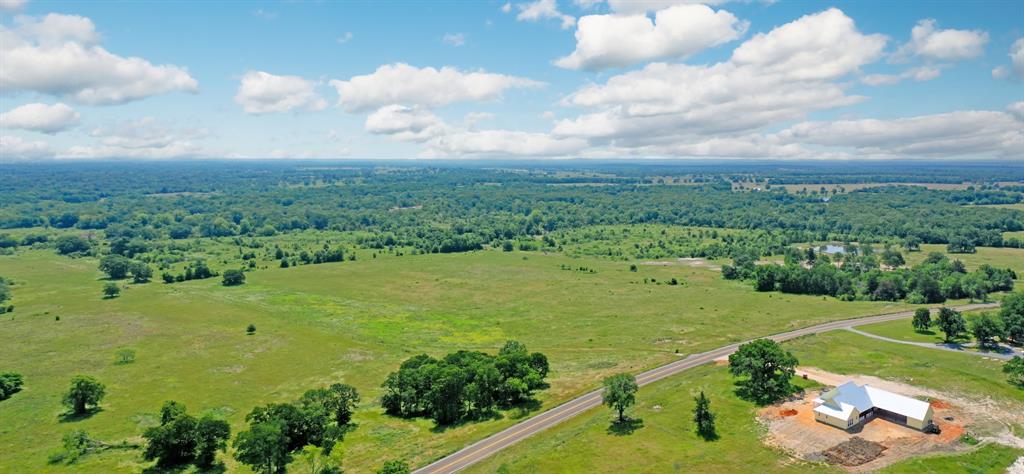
(459, 209)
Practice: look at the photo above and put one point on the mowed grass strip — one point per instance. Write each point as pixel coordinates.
(352, 322)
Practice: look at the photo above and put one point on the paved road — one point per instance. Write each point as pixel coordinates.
(1007, 354)
(492, 444)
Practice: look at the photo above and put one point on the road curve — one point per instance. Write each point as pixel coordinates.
(490, 445)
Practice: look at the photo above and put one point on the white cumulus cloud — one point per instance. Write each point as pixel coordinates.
(429, 87)
(923, 73)
(947, 45)
(544, 10)
(405, 123)
(955, 134)
(12, 5)
(15, 148)
(1016, 109)
(1016, 68)
(604, 41)
(145, 138)
(59, 55)
(261, 93)
(42, 118)
(644, 6)
(771, 78)
(439, 139)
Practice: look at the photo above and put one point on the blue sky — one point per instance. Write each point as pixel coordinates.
(531, 79)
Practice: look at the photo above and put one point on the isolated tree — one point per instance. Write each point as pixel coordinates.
(233, 277)
(952, 323)
(85, 390)
(394, 467)
(1014, 370)
(922, 319)
(111, 290)
(703, 417)
(768, 366)
(986, 328)
(250, 329)
(263, 447)
(620, 393)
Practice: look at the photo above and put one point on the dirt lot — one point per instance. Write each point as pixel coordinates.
(792, 427)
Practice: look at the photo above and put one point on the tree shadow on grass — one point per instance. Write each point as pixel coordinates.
(70, 417)
(492, 415)
(709, 436)
(525, 408)
(217, 468)
(926, 332)
(744, 392)
(625, 427)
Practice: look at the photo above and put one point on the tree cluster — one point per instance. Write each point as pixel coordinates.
(118, 267)
(859, 277)
(464, 384)
(196, 270)
(181, 439)
(320, 418)
(10, 383)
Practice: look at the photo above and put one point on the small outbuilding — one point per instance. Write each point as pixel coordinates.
(849, 405)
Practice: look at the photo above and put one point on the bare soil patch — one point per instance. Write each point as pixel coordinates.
(878, 443)
(854, 452)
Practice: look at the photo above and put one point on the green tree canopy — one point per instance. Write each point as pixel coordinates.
(620, 393)
(84, 391)
(768, 368)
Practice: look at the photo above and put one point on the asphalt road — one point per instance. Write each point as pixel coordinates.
(475, 452)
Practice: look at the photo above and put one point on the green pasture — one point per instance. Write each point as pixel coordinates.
(352, 322)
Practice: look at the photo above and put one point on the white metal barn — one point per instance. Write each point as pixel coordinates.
(849, 405)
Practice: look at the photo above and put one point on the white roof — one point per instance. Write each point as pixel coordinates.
(840, 402)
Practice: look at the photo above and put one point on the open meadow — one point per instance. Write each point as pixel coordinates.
(353, 321)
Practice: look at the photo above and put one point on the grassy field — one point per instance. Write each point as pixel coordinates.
(352, 322)
(1018, 206)
(666, 442)
(903, 330)
(987, 459)
(997, 257)
(850, 353)
(663, 441)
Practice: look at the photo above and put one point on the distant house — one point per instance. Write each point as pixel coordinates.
(849, 405)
